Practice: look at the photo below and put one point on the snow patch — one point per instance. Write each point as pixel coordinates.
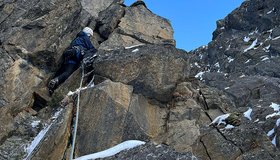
(272, 131)
(248, 113)
(248, 61)
(36, 141)
(35, 123)
(199, 75)
(246, 39)
(243, 75)
(200, 56)
(230, 59)
(135, 50)
(265, 58)
(56, 114)
(276, 38)
(255, 31)
(229, 126)
(274, 141)
(217, 65)
(226, 88)
(220, 119)
(272, 115)
(228, 48)
(276, 107)
(270, 11)
(266, 49)
(196, 64)
(112, 151)
(251, 46)
(134, 46)
(205, 47)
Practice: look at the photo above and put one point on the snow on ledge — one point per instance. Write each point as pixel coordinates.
(114, 150)
(134, 46)
(220, 119)
(36, 141)
(272, 131)
(276, 108)
(248, 113)
(246, 39)
(252, 45)
(135, 50)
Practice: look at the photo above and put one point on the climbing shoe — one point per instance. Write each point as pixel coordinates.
(52, 84)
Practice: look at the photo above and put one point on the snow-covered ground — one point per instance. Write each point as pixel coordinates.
(112, 151)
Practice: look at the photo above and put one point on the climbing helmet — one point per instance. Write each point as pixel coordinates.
(88, 31)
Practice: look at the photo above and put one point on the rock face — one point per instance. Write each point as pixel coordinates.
(152, 151)
(152, 70)
(139, 25)
(109, 120)
(221, 101)
(242, 61)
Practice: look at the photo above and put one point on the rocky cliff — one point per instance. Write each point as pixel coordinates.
(220, 101)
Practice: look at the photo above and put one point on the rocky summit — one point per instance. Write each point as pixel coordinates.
(217, 102)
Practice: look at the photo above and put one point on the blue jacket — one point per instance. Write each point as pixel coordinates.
(82, 40)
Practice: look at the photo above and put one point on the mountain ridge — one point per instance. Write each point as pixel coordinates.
(219, 101)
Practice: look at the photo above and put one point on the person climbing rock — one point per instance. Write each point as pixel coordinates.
(80, 50)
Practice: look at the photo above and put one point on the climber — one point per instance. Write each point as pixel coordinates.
(80, 49)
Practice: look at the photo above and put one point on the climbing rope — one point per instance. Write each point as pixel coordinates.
(77, 115)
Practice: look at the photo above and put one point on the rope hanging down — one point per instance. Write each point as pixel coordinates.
(77, 115)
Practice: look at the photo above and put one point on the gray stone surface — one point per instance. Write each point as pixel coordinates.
(109, 19)
(103, 112)
(94, 7)
(151, 151)
(152, 70)
(139, 25)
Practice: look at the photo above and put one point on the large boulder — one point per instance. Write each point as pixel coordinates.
(109, 19)
(102, 116)
(110, 114)
(94, 7)
(153, 70)
(139, 25)
(150, 124)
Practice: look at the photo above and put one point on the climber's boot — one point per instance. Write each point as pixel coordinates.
(52, 85)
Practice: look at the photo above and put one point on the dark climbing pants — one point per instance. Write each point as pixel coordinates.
(65, 72)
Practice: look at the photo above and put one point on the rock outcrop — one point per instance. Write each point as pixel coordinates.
(220, 101)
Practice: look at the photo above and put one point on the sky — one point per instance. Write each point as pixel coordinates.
(193, 21)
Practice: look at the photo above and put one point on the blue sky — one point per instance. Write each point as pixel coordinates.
(193, 21)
